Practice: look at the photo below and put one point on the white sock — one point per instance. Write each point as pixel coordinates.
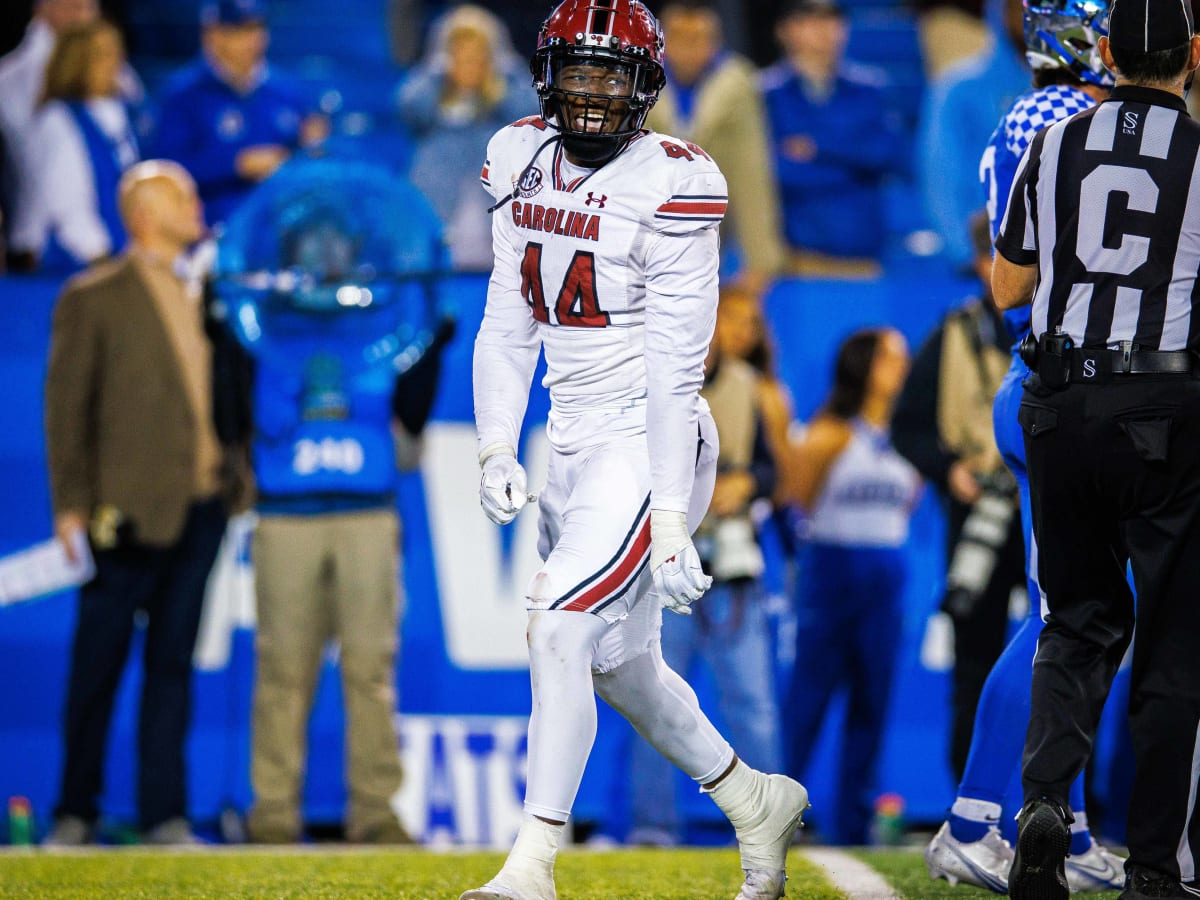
(536, 845)
(976, 810)
(740, 796)
(1080, 823)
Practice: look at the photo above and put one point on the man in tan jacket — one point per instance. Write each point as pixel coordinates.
(136, 464)
(712, 98)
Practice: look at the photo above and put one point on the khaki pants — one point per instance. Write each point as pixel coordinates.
(320, 577)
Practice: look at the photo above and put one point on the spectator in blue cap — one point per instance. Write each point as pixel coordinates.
(228, 118)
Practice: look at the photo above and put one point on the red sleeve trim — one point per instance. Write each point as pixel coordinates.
(693, 207)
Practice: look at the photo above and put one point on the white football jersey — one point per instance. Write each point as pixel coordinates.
(614, 272)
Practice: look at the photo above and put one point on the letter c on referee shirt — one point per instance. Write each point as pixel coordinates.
(1094, 192)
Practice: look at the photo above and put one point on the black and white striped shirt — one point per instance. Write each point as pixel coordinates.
(1107, 204)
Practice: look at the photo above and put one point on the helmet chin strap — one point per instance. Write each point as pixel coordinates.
(592, 151)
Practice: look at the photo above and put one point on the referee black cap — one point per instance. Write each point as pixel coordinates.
(1149, 25)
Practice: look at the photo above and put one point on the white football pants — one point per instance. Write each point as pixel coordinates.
(562, 726)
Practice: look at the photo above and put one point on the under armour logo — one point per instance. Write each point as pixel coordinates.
(599, 201)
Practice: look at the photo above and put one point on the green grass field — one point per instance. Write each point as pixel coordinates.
(425, 875)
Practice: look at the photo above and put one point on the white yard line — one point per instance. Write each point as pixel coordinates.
(852, 877)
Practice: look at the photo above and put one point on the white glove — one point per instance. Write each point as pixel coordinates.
(679, 579)
(502, 487)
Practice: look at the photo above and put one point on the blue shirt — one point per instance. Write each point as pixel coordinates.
(960, 111)
(1031, 113)
(203, 124)
(833, 203)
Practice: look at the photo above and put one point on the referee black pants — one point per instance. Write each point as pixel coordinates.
(1115, 476)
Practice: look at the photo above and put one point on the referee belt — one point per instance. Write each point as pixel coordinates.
(1127, 361)
(1102, 364)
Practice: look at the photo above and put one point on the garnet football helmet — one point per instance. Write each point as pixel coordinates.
(598, 69)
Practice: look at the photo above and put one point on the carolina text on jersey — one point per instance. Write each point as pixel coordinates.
(551, 219)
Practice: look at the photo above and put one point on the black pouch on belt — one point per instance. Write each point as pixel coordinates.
(1054, 360)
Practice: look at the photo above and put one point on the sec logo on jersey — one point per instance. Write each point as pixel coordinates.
(531, 182)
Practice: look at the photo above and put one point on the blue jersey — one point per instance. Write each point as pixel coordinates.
(1029, 114)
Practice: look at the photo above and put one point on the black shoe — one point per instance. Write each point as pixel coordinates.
(1143, 884)
(1039, 867)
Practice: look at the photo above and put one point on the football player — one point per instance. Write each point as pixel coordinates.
(605, 239)
(1060, 37)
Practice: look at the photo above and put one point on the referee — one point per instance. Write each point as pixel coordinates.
(1102, 234)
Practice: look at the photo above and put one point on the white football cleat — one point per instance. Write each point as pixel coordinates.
(1095, 870)
(764, 845)
(762, 886)
(511, 884)
(984, 863)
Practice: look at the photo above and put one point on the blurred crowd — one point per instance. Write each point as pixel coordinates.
(834, 171)
(834, 165)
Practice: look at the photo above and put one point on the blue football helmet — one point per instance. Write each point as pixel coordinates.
(1062, 34)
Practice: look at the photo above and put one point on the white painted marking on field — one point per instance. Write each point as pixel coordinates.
(852, 877)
